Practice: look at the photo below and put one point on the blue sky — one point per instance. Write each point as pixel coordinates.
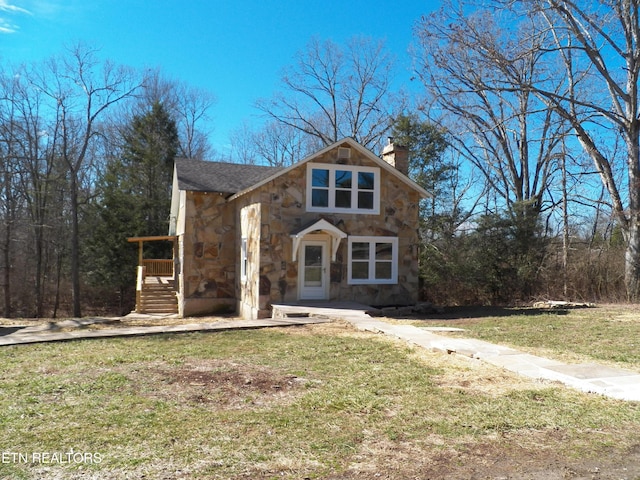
(235, 49)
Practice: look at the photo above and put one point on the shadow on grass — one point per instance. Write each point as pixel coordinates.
(458, 313)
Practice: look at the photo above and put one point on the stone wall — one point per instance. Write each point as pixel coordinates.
(208, 252)
(248, 288)
(210, 247)
(283, 211)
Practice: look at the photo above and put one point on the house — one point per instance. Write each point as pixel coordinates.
(341, 224)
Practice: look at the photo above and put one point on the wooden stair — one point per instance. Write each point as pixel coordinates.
(158, 296)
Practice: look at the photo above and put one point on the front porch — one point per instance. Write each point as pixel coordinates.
(156, 280)
(320, 309)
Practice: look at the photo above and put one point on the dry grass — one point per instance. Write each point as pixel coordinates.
(607, 334)
(321, 401)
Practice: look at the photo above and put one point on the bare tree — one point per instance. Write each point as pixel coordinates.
(192, 113)
(9, 186)
(280, 145)
(509, 135)
(81, 89)
(242, 145)
(333, 92)
(597, 45)
(35, 172)
(273, 144)
(190, 107)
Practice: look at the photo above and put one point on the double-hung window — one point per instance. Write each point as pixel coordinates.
(343, 188)
(373, 260)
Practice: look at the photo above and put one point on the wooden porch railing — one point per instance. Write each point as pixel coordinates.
(158, 267)
(155, 294)
(139, 287)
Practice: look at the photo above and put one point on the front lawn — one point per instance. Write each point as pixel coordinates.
(320, 401)
(607, 334)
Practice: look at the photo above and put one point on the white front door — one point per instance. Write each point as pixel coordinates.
(313, 274)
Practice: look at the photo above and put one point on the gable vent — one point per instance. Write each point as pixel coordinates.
(344, 153)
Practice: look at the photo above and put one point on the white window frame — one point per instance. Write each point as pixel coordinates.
(372, 261)
(354, 188)
(244, 258)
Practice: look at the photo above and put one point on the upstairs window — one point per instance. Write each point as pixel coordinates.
(343, 188)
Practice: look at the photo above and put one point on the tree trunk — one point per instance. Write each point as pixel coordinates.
(565, 228)
(39, 288)
(75, 247)
(7, 271)
(632, 254)
(632, 265)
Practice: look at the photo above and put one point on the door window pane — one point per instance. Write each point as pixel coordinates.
(313, 255)
(312, 276)
(312, 265)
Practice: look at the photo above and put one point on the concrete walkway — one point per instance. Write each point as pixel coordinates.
(48, 333)
(587, 377)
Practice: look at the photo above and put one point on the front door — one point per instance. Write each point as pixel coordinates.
(313, 273)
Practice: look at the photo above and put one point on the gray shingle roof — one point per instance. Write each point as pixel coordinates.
(203, 176)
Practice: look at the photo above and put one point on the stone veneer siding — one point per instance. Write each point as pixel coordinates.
(208, 253)
(248, 288)
(281, 205)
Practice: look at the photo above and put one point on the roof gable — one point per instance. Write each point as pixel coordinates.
(237, 179)
(353, 144)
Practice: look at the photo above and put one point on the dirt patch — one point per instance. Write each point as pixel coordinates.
(225, 384)
(514, 456)
(506, 457)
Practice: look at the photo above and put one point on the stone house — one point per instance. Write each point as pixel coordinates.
(341, 224)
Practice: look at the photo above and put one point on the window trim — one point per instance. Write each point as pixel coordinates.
(371, 280)
(354, 169)
(244, 259)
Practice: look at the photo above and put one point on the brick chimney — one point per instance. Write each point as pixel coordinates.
(397, 156)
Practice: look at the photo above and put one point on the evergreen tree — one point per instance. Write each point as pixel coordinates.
(426, 143)
(134, 199)
(505, 255)
(151, 143)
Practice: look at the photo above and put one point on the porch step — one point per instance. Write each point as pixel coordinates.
(318, 309)
(288, 311)
(158, 296)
